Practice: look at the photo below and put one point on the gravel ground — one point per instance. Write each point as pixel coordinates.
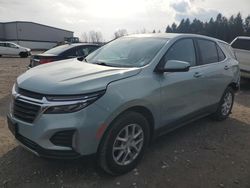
(202, 154)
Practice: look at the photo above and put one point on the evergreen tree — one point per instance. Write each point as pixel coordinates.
(174, 27)
(247, 26)
(168, 29)
(221, 28)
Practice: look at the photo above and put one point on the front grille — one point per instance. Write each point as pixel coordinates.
(30, 94)
(25, 111)
(58, 154)
(63, 138)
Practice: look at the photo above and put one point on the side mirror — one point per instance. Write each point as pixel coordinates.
(81, 58)
(175, 66)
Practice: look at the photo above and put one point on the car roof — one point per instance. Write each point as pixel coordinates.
(243, 37)
(174, 35)
(8, 42)
(82, 44)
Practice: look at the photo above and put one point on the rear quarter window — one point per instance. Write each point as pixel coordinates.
(227, 48)
(221, 55)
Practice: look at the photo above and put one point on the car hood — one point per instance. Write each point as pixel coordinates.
(71, 77)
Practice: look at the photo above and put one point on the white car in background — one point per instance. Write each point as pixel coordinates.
(10, 48)
(241, 46)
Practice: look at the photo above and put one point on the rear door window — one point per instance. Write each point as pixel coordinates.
(242, 44)
(7, 45)
(71, 53)
(208, 51)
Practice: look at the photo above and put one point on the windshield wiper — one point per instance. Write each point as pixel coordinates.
(102, 63)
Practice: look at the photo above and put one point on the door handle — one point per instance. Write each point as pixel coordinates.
(197, 74)
(226, 67)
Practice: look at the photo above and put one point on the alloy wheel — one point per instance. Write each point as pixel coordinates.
(128, 144)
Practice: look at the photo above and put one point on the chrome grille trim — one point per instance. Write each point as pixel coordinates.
(44, 104)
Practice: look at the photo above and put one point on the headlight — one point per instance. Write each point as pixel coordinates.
(71, 103)
(65, 108)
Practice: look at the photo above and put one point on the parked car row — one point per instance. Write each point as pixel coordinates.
(10, 48)
(120, 97)
(65, 51)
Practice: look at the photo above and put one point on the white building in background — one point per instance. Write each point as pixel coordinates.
(33, 35)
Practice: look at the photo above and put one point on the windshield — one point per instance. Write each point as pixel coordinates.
(127, 52)
(59, 49)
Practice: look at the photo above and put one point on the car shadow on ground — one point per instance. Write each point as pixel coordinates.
(245, 84)
(204, 150)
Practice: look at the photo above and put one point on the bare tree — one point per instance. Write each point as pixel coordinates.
(143, 31)
(120, 33)
(84, 37)
(99, 37)
(95, 37)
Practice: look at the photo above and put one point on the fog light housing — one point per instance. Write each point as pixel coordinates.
(63, 138)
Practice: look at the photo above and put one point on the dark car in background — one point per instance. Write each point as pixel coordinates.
(65, 51)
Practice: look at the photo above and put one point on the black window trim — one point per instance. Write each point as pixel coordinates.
(161, 63)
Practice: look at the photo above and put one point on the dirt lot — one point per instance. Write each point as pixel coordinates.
(202, 154)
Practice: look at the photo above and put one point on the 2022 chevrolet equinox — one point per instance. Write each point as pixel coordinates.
(121, 96)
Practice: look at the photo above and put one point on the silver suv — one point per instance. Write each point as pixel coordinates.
(121, 96)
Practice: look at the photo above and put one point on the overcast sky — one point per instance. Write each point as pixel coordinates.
(108, 16)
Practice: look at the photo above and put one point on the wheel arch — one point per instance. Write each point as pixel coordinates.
(234, 86)
(147, 114)
(139, 109)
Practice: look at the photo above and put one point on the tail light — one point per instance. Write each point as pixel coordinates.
(47, 60)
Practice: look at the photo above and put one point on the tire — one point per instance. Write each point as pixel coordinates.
(0, 55)
(23, 54)
(225, 105)
(108, 151)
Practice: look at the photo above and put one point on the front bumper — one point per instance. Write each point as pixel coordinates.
(37, 136)
(46, 153)
(37, 149)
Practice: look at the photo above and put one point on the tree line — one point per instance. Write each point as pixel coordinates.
(222, 28)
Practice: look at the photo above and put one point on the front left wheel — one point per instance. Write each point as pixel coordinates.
(124, 143)
(23, 54)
